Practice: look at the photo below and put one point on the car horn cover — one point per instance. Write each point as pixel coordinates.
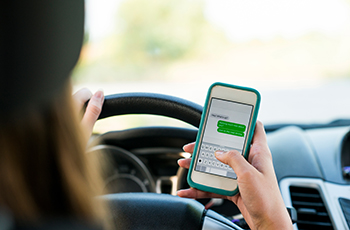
(40, 44)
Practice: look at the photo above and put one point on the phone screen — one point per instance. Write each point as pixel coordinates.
(225, 129)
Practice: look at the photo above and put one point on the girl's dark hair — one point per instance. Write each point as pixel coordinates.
(44, 171)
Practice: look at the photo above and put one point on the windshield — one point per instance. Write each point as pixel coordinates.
(296, 53)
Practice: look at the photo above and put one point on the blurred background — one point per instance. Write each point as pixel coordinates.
(295, 52)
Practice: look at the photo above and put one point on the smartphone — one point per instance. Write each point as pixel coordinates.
(227, 123)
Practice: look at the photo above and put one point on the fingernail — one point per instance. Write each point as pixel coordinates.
(178, 193)
(185, 146)
(99, 94)
(219, 152)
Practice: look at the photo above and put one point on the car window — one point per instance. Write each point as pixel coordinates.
(296, 53)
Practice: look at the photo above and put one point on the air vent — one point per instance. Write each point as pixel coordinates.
(312, 213)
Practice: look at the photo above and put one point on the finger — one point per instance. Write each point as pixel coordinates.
(82, 96)
(184, 163)
(93, 111)
(197, 194)
(189, 147)
(259, 136)
(235, 160)
(259, 148)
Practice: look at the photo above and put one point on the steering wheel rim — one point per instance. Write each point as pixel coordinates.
(153, 104)
(148, 218)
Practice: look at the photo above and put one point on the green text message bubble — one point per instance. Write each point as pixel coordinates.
(230, 132)
(231, 126)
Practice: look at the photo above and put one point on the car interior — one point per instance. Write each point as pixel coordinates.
(311, 163)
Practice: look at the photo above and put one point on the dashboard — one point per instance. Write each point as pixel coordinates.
(310, 166)
(310, 169)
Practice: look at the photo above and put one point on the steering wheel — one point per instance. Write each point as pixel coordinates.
(152, 210)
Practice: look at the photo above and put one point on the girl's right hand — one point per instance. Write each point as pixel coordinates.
(259, 200)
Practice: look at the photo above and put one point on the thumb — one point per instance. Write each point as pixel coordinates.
(93, 111)
(235, 160)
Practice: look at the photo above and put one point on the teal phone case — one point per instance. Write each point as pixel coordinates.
(245, 153)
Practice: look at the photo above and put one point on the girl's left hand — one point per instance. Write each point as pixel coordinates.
(93, 108)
